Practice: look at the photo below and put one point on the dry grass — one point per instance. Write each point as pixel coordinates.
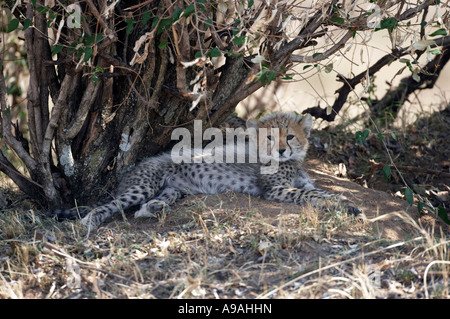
(206, 250)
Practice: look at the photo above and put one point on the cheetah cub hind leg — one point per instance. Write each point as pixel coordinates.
(340, 203)
(160, 204)
(350, 209)
(336, 202)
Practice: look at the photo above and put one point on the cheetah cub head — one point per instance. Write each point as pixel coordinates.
(289, 140)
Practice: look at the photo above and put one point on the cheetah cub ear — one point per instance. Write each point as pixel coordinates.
(306, 123)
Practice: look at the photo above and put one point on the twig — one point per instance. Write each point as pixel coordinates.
(137, 6)
(55, 249)
(290, 282)
(5, 116)
(183, 57)
(425, 286)
(326, 54)
(349, 84)
(420, 170)
(28, 186)
(88, 98)
(429, 75)
(99, 18)
(67, 85)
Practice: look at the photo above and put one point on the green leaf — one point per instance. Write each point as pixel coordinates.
(91, 39)
(51, 15)
(388, 23)
(239, 40)
(420, 207)
(441, 31)
(177, 13)
(164, 25)
(13, 24)
(250, 3)
(190, 9)
(409, 196)
(263, 76)
(155, 22)
(130, 25)
(338, 20)
(56, 49)
(394, 136)
(146, 17)
(87, 54)
(208, 23)
(72, 48)
(214, 53)
(381, 136)
(162, 44)
(95, 78)
(435, 51)
(316, 54)
(386, 171)
(307, 66)
(42, 9)
(271, 77)
(26, 24)
(442, 213)
(328, 67)
(361, 136)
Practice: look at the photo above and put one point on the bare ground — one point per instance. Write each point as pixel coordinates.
(232, 246)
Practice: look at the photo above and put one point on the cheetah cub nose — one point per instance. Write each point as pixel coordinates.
(281, 151)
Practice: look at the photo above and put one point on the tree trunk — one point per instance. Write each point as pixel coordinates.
(111, 115)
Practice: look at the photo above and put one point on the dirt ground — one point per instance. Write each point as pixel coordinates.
(384, 209)
(374, 204)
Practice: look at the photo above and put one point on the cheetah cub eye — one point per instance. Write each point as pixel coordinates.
(290, 137)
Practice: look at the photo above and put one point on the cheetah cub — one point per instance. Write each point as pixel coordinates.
(159, 181)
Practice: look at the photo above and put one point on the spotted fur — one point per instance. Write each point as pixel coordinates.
(157, 182)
